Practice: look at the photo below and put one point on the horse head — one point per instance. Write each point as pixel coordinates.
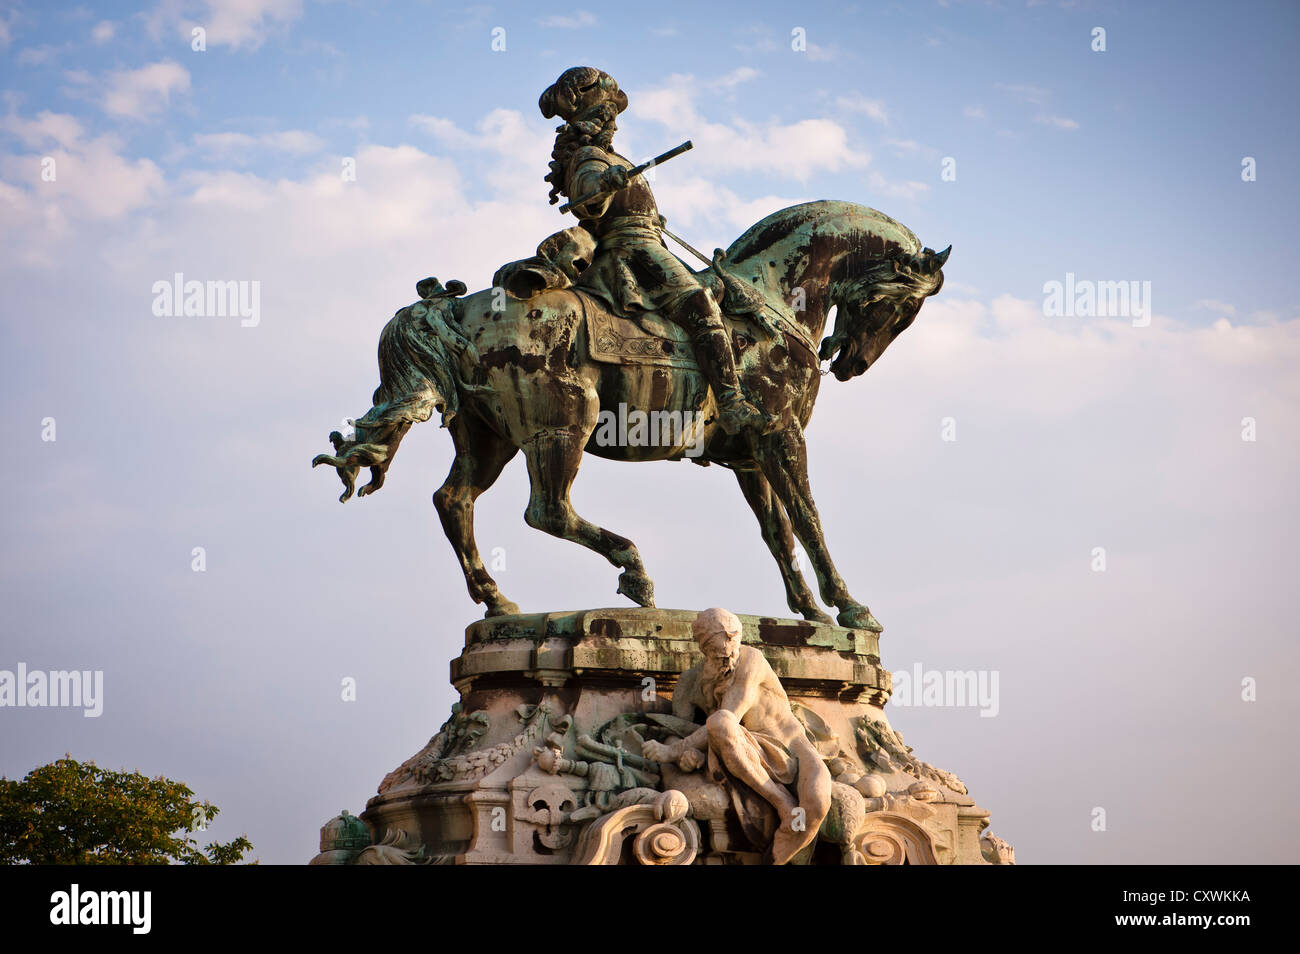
(873, 269)
(877, 302)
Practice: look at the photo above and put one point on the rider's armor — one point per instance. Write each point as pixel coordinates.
(634, 271)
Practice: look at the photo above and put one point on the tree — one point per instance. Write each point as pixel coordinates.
(74, 813)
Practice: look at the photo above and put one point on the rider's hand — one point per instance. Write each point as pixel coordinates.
(613, 179)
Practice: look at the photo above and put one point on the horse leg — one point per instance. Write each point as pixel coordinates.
(553, 457)
(480, 457)
(783, 458)
(776, 534)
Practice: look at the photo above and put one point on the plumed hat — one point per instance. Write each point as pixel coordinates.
(577, 90)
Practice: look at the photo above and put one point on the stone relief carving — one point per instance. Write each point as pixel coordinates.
(450, 755)
(880, 745)
(996, 851)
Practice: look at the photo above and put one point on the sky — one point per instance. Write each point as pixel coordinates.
(1169, 441)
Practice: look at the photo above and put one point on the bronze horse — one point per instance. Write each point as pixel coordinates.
(510, 375)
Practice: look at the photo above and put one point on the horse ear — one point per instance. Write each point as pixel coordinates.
(942, 257)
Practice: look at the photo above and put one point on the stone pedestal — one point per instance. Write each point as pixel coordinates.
(540, 762)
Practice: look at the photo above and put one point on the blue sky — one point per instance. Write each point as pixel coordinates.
(1073, 432)
(1099, 163)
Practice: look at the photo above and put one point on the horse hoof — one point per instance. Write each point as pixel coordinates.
(814, 614)
(504, 608)
(637, 587)
(859, 617)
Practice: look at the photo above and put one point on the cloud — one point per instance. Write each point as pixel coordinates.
(1222, 307)
(103, 31)
(519, 149)
(1036, 96)
(1060, 122)
(574, 21)
(756, 39)
(139, 94)
(239, 24)
(1024, 92)
(93, 180)
(871, 108)
(797, 150)
(896, 189)
(974, 112)
(235, 146)
(737, 76)
(910, 147)
(40, 55)
(60, 128)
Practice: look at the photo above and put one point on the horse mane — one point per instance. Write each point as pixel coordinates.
(831, 214)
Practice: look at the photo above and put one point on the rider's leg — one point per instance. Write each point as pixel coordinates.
(699, 314)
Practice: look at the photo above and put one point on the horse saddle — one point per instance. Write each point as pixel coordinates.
(649, 338)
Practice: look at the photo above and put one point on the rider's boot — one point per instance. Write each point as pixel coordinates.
(735, 413)
(713, 351)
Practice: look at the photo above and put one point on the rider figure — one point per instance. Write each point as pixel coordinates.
(632, 268)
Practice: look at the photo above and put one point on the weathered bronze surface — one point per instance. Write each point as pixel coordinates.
(606, 325)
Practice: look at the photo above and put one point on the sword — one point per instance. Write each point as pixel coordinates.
(633, 173)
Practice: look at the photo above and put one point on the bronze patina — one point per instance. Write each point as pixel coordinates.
(606, 343)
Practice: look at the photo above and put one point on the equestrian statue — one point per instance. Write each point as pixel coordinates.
(606, 343)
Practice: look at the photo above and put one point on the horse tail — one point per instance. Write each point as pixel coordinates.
(422, 357)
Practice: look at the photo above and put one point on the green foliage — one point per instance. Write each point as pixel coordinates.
(74, 813)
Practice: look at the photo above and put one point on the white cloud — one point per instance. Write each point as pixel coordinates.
(93, 180)
(103, 31)
(521, 150)
(974, 112)
(1060, 122)
(857, 103)
(797, 149)
(239, 24)
(235, 146)
(574, 21)
(139, 94)
(39, 55)
(896, 189)
(60, 128)
(910, 147)
(737, 76)
(1222, 307)
(1024, 92)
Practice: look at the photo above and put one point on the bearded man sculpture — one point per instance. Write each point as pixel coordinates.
(750, 742)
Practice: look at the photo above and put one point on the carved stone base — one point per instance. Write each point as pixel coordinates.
(540, 762)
